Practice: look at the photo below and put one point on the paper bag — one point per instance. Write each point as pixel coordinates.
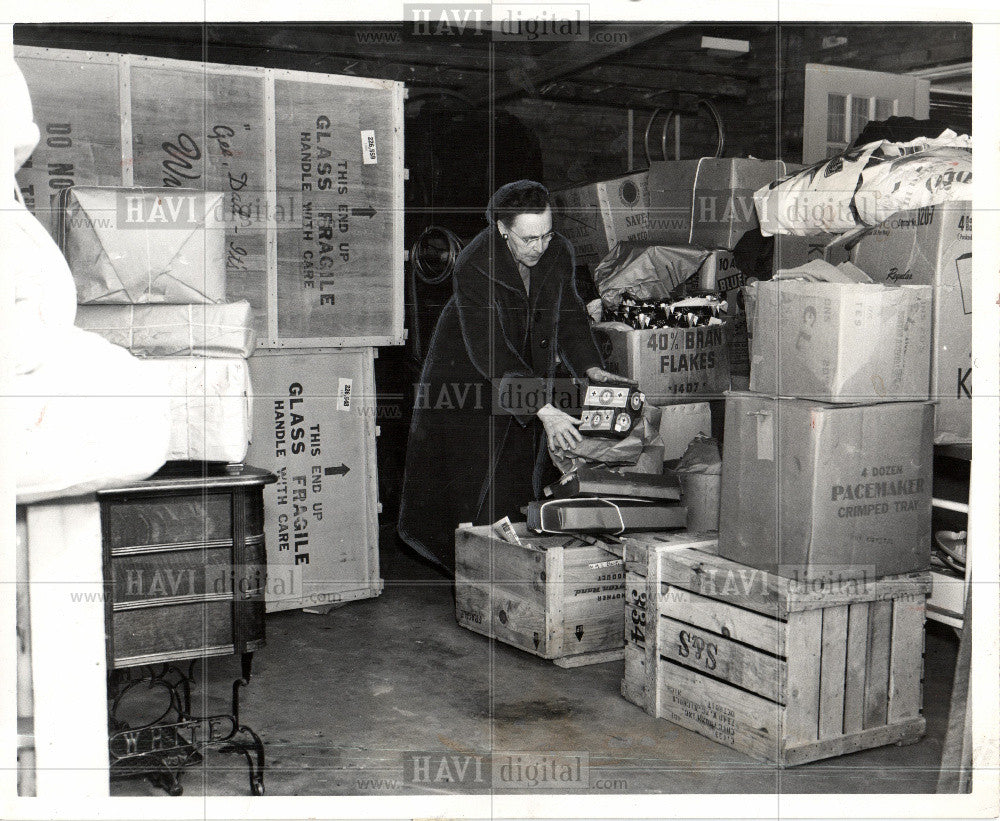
(596, 451)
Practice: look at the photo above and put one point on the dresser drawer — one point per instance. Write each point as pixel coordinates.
(185, 564)
(181, 519)
(173, 631)
(162, 574)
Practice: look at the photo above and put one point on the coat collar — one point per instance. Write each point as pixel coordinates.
(504, 270)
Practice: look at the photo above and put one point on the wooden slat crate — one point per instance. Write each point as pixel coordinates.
(784, 672)
(311, 165)
(554, 596)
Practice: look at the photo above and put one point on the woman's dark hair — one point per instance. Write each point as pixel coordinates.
(520, 197)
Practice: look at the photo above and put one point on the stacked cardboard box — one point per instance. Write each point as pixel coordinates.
(933, 246)
(597, 216)
(149, 267)
(802, 638)
(827, 466)
(709, 203)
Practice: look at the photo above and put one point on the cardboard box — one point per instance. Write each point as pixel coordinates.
(718, 267)
(933, 246)
(597, 216)
(707, 202)
(840, 342)
(818, 491)
(739, 345)
(138, 245)
(700, 495)
(314, 427)
(672, 365)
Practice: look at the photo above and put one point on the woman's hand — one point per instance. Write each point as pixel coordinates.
(601, 375)
(560, 428)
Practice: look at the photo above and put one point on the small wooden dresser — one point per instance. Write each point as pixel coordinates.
(185, 564)
(185, 577)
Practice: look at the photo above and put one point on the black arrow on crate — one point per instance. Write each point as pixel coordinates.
(367, 211)
(339, 470)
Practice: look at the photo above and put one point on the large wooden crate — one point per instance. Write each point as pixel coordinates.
(784, 672)
(314, 427)
(311, 165)
(554, 596)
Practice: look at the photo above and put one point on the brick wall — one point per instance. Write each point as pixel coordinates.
(581, 143)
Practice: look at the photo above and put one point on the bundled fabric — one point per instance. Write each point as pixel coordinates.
(815, 200)
(210, 408)
(88, 417)
(138, 245)
(82, 414)
(866, 185)
(640, 314)
(607, 515)
(916, 174)
(598, 482)
(818, 270)
(221, 331)
(645, 272)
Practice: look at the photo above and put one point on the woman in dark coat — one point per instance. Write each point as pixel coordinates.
(483, 408)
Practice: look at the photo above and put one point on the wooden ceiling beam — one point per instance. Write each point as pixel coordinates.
(655, 78)
(288, 38)
(570, 94)
(565, 59)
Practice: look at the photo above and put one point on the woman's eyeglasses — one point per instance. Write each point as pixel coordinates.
(542, 239)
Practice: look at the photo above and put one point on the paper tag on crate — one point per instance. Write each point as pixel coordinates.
(344, 394)
(369, 152)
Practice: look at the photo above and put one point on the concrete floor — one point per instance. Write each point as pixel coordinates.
(344, 700)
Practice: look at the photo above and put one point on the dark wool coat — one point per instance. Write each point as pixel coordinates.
(476, 449)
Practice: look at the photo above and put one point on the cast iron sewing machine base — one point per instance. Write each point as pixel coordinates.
(161, 749)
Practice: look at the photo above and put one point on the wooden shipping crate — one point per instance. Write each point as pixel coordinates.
(781, 671)
(314, 427)
(554, 596)
(311, 165)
